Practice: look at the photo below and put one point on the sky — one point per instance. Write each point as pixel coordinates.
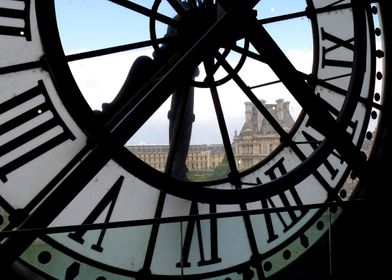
(89, 25)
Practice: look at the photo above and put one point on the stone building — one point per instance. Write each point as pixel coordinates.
(257, 138)
(154, 155)
(255, 141)
(200, 157)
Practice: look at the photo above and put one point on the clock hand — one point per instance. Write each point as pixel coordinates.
(293, 80)
(73, 183)
(209, 66)
(64, 193)
(115, 49)
(143, 68)
(54, 203)
(141, 71)
(134, 113)
(248, 92)
(147, 99)
(181, 118)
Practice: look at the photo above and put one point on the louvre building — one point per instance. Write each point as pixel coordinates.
(254, 141)
(257, 138)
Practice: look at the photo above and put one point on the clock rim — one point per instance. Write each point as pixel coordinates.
(201, 191)
(387, 99)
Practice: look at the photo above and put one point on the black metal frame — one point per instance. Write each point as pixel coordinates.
(373, 208)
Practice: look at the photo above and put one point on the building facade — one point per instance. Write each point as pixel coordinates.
(200, 157)
(256, 139)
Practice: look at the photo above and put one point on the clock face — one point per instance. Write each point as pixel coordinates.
(181, 139)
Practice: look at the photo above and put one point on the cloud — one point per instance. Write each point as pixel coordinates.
(101, 78)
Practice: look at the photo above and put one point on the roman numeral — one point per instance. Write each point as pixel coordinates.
(314, 140)
(191, 232)
(352, 125)
(29, 127)
(287, 198)
(331, 87)
(338, 44)
(314, 143)
(15, 17)
(107, 202)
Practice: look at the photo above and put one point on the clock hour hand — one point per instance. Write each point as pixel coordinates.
(139, 74)
(142, 70)
(294, 81)
(193, 43)
(181, 118)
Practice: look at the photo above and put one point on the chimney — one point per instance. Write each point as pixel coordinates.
(260, 117)
(279, 109)
(248, 112)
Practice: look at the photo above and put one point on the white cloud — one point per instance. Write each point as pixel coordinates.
(101, 78)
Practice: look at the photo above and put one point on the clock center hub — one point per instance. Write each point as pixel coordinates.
(213, 25)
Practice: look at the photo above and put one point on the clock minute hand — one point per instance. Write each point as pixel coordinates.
(321, 119)
(74, 182)
(136, 111)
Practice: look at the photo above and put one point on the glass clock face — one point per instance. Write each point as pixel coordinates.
(181, 139)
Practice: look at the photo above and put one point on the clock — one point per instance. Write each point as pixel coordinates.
(77, 203)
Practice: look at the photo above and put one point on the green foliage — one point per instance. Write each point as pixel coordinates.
(219, 172)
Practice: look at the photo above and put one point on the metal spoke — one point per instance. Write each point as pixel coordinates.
(145, 11)
(116, 49)
(148, 99)
(324, 82)
(312, 104)
(216, 65)
(266, 84)
(256, 56)
(209, 66)
(248, 92)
